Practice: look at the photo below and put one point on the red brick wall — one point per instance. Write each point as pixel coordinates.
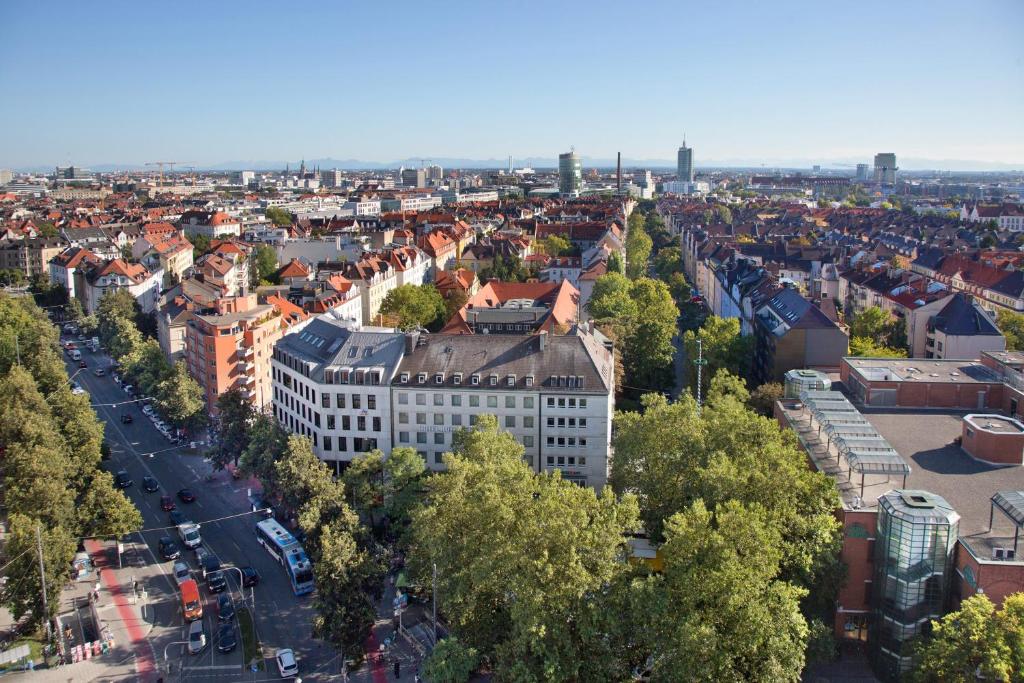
(1005, 448)
(997, 579)
(858, 555)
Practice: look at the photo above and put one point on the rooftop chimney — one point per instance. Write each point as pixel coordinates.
(542, 339)
(411, 338)
(618, 172)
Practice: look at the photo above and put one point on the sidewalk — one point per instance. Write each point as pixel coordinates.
(375, 671)
(121, 617)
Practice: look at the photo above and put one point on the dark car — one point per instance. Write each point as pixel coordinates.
(215, 582)
(122, 479)
(177, 517)
(126, 419)
(250, 577)
(209, 564)
(225, 608)
(186, 496)
(167, 503)
(226, 638)
(169, 549)
(150, 485)
(82, 364)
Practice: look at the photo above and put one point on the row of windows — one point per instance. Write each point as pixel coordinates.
(566, 442)
(312, 416)
(510, 421)
(340, 401)
(566, 460)
(474, 400)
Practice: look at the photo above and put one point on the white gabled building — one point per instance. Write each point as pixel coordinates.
(352, 390)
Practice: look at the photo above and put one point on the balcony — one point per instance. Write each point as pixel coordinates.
(246, 366)
(245, 351)
(246, 380)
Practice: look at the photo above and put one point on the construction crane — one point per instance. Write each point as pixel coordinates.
(161, 164)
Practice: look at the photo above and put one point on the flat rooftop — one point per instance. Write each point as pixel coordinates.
(1014, 358)
(922, 370)
(925, 439)
(994, 423)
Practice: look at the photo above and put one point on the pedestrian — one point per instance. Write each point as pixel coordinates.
(398, 669)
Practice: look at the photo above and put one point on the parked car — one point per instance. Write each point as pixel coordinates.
(126, 419)
(181, 572)
(99, 372)
(116, 377)
(169, 549)
(215, 582)
(196, 637)
(150, 485)
(225, 608)
(286, 664)
(226, 638)
(128, 389)
(177, 517)
(83, 364)
(250, 577)
(186, 496)
(167, 503)
(148, 410)
(122, 479)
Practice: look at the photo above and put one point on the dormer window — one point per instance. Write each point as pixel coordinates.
(344, 376)
(457, 378)
(493, 380)
(404, 378)
(475, 379)
(511, 380)
(421, 378)
(439, 378)
(529, 380)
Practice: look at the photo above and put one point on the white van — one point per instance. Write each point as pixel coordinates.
(76, 355)
(189, 534)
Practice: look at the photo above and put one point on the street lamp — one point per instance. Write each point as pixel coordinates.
(166, 647)
(241, 587)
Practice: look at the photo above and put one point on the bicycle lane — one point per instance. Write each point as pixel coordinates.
(131, 621)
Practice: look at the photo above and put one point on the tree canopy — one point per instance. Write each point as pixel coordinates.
(638, 246)
(723, 348)
(413, 306)
(278, 216)
(1012, 326)
(520, 556)
(975, 642)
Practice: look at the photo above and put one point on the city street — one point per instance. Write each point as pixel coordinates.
(222, 509)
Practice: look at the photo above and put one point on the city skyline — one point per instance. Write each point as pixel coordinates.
(150, 85)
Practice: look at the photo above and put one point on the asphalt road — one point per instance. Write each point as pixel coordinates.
(283, 620)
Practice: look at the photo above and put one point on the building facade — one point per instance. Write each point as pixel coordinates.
(570, 174)
(684, 164)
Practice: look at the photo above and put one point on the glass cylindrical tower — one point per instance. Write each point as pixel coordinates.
(914, 545)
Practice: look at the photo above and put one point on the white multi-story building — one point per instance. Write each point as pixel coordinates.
(354, 390)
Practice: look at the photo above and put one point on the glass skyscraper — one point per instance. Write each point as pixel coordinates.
(684, 164)
(570, 174)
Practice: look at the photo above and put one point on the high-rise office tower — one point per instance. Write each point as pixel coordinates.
(885, 168)
(862, 173)
(570, 174)
(684, 164)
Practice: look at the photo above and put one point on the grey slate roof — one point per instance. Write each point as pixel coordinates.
(574, 355)
(325, 342)
(962, 316)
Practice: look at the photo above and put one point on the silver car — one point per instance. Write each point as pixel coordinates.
(196, 637)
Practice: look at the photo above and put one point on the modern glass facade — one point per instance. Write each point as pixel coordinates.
(684, 164)
(570, 174)
(915, 540)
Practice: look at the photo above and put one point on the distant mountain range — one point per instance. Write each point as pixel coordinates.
(906, 164)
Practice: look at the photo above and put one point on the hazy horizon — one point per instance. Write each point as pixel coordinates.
(207, 84)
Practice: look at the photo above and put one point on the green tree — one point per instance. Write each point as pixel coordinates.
(880, 327)
(723, 348)
(450, 662)
(263, 263)
(22, 591)
(453, 303)
(670, 456)
(74, 310)
(669, 261)
(975, 642)
(723, 214)
(556, 245)
(518, 555)
(12, 277)
(105, 511)
(413, 306)
(720, 612)
(866, 348)
(278, 216)
(638, 247)
(122, 337)
(180, 398)
(648, 349)
(200, 245)
(266, 443)
(145, 365)
(235, 416)
(611, 298)
(1012, 326)
(380, 485)
(679, 288)
(763, 398)
(615, 263)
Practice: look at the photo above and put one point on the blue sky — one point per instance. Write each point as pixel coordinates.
(209, 82)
